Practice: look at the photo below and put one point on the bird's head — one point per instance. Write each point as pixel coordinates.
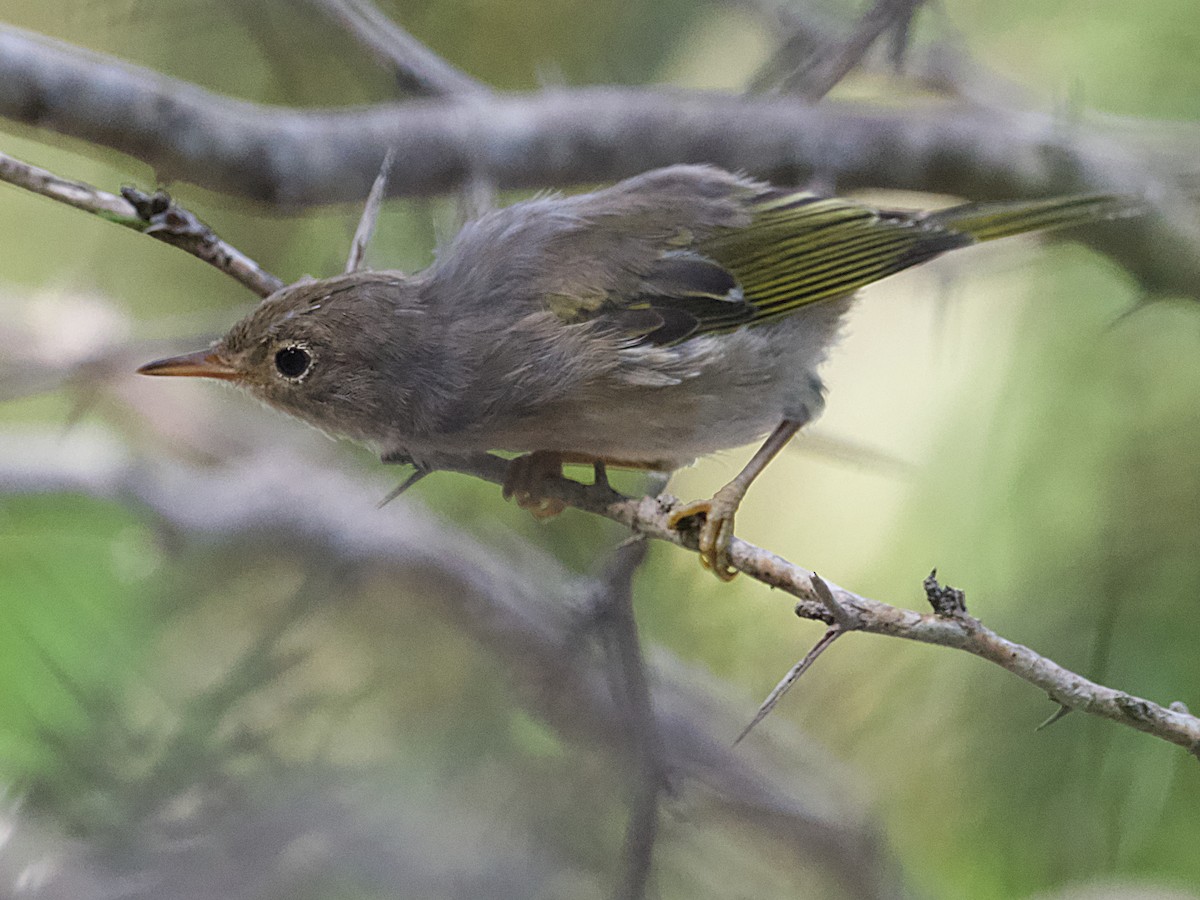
(333, 352)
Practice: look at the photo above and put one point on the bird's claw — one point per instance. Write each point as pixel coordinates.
(716, 530)
(523, 483)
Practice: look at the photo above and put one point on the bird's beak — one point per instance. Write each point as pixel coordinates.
(201, 364)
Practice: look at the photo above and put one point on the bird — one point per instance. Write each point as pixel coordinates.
(646, 324)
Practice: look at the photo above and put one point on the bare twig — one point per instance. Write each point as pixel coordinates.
(152, 214)
(73, 193)
(805, 33)
(415, 67)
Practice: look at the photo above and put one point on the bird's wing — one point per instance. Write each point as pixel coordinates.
(800, 249)
(692, 250)
(796, 248)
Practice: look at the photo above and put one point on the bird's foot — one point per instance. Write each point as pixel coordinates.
(716, 531)
(523, 483)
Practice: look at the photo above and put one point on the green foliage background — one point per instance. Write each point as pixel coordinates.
(1047, 427)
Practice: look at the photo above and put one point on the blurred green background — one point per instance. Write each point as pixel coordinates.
(1012, 419)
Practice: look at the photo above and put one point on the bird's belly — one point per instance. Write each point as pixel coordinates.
(663, 407)
(715, 393)
(652, 431)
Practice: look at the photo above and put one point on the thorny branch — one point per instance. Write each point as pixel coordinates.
(648, 516)
(842, 624)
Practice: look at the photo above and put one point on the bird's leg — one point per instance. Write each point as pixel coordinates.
(716, 533)
(522, 482)
(600, 474)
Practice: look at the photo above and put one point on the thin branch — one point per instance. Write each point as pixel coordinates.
(649, 516)
(152, 214)
(802, 33)
(553, 138)
(414, 66)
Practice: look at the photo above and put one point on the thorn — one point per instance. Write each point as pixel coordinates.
(1059, 713)
(793, 675)
(417, 475)
(370, 214)
(841, 618)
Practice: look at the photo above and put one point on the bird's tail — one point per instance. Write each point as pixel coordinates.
(988, 221)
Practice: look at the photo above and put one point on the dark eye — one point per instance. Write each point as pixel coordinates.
(293, 362)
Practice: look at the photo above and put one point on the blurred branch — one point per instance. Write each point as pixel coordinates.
(513, 603)
(813, 75)
(614, 605)
(415, 67)
(943, 66)
(298, 157)
(949, 627)
(152, 214)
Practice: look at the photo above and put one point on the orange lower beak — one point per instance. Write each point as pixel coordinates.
(201, 364)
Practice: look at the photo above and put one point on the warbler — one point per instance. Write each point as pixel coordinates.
(677, 313)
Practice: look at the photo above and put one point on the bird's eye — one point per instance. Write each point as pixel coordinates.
(293, 362)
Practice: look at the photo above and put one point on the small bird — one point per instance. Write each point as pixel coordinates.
(677, 313)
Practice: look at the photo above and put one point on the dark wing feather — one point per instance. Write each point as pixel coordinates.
(794, 250)
(800, 249)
